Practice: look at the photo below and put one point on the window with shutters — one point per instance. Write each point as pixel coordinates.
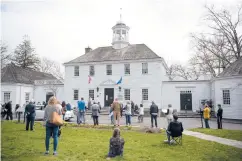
(91, 70)
(109, 69)
(127, 69)
(145, 94)
(144, 68)
(76, 94)
(76, 71)
(126, 94)
(6, 96)
(226, 97)
(91, 94)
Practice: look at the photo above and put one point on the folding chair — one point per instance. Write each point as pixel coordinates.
(178, 140)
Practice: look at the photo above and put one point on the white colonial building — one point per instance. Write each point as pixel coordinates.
(20, 85)
(123, 70)
(226, 90)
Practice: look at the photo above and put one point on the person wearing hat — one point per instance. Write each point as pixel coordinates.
(30, 115)
(219, 116)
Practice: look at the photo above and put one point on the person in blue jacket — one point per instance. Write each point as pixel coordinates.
(81, 111)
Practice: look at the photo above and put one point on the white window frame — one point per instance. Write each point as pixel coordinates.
(91, 95)
(76, 71)
(145, 68)
(127, 69)
(226, 96)
(27, 96)
(127, 94)
(91, 70)
(75, 95)
(109, 69)
(145, 96)
(6, 94)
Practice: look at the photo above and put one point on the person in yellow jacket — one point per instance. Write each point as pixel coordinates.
(206, 115)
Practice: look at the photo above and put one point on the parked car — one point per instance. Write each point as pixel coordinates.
(69, 115)
(40, 111)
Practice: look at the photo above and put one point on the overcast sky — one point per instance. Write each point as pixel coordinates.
(60, 30)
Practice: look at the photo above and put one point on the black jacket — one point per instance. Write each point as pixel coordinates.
(176, 128)
(154, 109)
(220, 113)
(9, 107)
(30, 110)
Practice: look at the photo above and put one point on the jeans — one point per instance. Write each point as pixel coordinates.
(153, 117)
(81, 117)
(49, 130)
(112, 120)
(219, 121)
(95, 120)
(30, 121)
(206, 123)
(128, 119)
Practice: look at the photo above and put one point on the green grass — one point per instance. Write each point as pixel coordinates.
(223, 133)
(89, 144)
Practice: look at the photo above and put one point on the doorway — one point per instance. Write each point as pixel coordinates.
(186, 100)
(108, 96)
(48, 95)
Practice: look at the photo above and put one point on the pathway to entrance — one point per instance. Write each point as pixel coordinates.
(234, 143)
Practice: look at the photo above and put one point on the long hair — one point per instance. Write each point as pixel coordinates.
(116, 133)
(52, 100)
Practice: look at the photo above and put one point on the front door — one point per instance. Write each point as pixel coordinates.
(48, 95)
(108, 96)
(186, 101)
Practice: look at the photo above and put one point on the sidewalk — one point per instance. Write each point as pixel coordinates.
(234, 143)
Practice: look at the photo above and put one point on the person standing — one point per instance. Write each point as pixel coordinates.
(95, 112)
(50, 127)
(206, 115)
(81, 111)
(9, 110)
(132, 108)
(219, 116)
(169, 114)
(116, 112)
(154, 112)
(111, 114)
(30, 115)
(63, 105)
(141, 113)
(128, 114)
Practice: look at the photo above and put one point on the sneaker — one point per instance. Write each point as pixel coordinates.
(47, 152)
(55, 153)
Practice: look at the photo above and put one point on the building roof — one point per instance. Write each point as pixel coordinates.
(15, 74)
(131, 52)
(235, 69)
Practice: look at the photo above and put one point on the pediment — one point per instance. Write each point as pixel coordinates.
(108, 82)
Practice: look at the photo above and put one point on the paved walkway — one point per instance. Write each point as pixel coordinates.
(234, 143)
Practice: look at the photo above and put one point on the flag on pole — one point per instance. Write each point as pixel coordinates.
(89, 79)
(120, 81)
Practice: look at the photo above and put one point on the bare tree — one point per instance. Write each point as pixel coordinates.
(5, 57)
(51, 67)
(24, 55)
(222, 46)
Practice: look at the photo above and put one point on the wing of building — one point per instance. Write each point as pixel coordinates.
(20, 85)
(124, 71)
(226, 89)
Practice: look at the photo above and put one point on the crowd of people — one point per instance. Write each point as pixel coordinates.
(116, 143)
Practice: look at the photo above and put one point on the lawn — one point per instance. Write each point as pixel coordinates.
(223, 133)
(89, 144)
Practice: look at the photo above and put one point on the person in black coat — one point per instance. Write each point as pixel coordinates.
(153, 113)
(9, 110)
(30, 116)
(219, 116)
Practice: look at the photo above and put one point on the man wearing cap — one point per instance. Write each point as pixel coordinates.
(219, 116)
(30, 115)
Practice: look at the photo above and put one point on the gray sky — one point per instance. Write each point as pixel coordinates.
(60, 30)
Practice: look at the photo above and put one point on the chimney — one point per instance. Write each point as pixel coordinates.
(88, 49)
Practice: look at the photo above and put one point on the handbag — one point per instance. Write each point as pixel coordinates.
(56, 119)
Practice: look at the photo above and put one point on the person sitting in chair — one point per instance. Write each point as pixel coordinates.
(175, 129)
(116, 145)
